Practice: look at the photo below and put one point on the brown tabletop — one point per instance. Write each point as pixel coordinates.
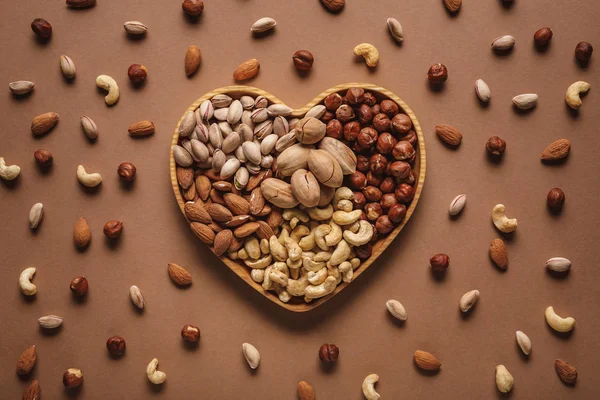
(226, 309)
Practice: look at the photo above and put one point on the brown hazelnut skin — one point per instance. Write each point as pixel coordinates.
(363, 252)
(378, 163)
(41, 28)
(192, 8)
(396, 213)
(351, 131)
(387, 201)
(403, 150)
(372, 193)
(373, 179)
(365, 114)
(388, 185)
(495, 146)
(373, 211)
(389, 108)
(385, 143)
(127, 171)
(384, 225)
(137, 73)
(404, 193)
(381, 122)
(542, 37)
(410, 137)
(437, 74)
(116, 346)
(583, 51)
(43, 157)
(359, 201)
(334, 129)
(79, 286)
(113, 229)
(332, 101)
(401, 124)
(190, 333)
(398, 169)
(439, 262)
(344, 113)
(370, 99)
(555, 200)
(376, 108)
(72, 378)
(362, 163)
(328, 116)
(329, 353)
(303, 60)
(355, 95)
(367, 137)
(357, 181)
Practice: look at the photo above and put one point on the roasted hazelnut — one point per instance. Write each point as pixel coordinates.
(387, 185)
(72, 378)
(381, 122)
(403, 150)
(344, 113)
(365, 114)
(334, 129)
(370, 99)
(127, 171)
(389, 108)
(378, 163)
(355, 95)
(79, 286)
(329, 353)
(116, 346)
(401, 123)
(42, 28)
(385, 143)
(190, 333)
(373, 211)
(542, 37)
(398, 169)
(404, 193)
(410, 137)
(437, 74)
(387, 201)
(303, 60)
(332, 101)
(43, 157)
(495, 146)
(192, 7)
(439, 262)
(375, 235)
(384, 225)
(137, 73)
(362, 163)
(376, 109)
(113, 229)
(363, 252)
(359, 201)
(351, 131)
(583, 51)
(357, 181)
(555, 200)
(373, 179)
(396, 213)
(367, 137)
(328, 116)
(372, 193)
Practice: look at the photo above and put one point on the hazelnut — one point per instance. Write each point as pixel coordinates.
(403, 150)
(344, 113)
(192, 8)
(389, 108)
(555, 200)
(79, 286)
(396, 213)
(329, 353)
(404, 193)
(384, 225)
(401, 123)
(113, 229)
(375, 234)
(351, 131)
(303, 60)
(365, 114)
(357, 181)
(542, 37)
(381, 122)
(355, 95)
(373, 211)
(363, 252)
(583, 51)
(362, 163)
(495, 146)
(385, 143)
(367, 137)
(399, 169)
(116, 346)
(42, 28)
(410, 137)
(190, 333)
(334, 129)
(373, 179)
(370, 99)
(137, 73)
(372, 193)
(72, 378)
(43, 157)
(333, 101)
(378, 163)
(328, 116)
(359, 201)
(387, 201)
(439, 262)
(127, 171)
(376, 109)
(387, 185)
(437, 74)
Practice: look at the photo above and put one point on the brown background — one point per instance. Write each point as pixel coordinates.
(225, 308)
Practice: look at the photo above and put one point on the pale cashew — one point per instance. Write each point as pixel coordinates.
(260, 263)
(346, 271)
(154, 375)
(368, 387)
(369, 53)
(294, 264)
(334, 271)
(8, 172)
(257, 275)
(320, 232)
(573, 96)
(334, 236)
(346, 218)
(285, 233)
(28, 288)
(243, 254)
(341, 253)
(233, 255)
(290, 213)
(252, 247)
(344, 205)
(353, 227)
(107, 83)
(294, 222)
(283, 294)
(309, 254)
(320, 214)
(315, 292)
(282, 267)
(318, 277)
(343, 193)
(296, 287)
(558, 323)
(89, 180)
(299, 232)
(251, 354)
(278, 277)
(308, 242)
(355, 262)
(278, 251)
(294, 273)
(293, 250)
(322, 256)
(265, 248)
(266, 283)
(501, 221)
(311, 265)
(363, 236)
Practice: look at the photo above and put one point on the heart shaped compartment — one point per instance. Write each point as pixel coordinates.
(294, 303)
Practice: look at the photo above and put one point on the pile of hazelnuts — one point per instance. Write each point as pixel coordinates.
(384, 141)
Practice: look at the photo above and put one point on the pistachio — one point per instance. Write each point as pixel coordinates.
(89, 127)
(21, 87)
(67, 66)
(262, 25)
(135, 28)
(395, 29)
(503, 43)
(525, 101)
(483, 91)
(35, 215)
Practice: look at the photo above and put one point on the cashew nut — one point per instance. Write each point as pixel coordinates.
(89, 180)
(355, 262)
(340, 254)
(260, 263)
(501, 221)
(257, 275)
(320, 232)
(154, 375)
(294, 222)
(346, 218)
(316, 278)
(290, 213)
(252, 247)
(299, 232)
(343, 193)
(308, 242)
(278, 251)
(320, 214)
(346, 270)
(368, 387)
(335, 235)
(334, 271)
(251, 354)
(243, 254)
(107, 83)
(322, 256)
(354, 227)
(285, 233)
(233, 255)
(278, 277)
(8, 172)
(284, 295)
(311, 265)
(574, 92)
(266, 283)
(296, 287)
(293, 249)
(265, 248)
(294, 264)
(315, 292)
(369, 53)
(28, 288)
(344, 205)
(558, 323)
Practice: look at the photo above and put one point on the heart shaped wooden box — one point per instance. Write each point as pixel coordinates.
(241, 270)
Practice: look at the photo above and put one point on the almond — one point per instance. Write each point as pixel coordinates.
(236, 204)
(246, 229)
(334, 5)
(246, 70)
(566, 372)
(179, 275)
(219, 213)
(82, 235)
(264, 231)
(222, 241)
(190, 194)
(141, 128)
(498, 253)
(216, 228)
(448, 134)
(556, 150)
(236, 244)
(305, 391)
(203, 186)
(255, 180)
(237, 220)
(427, 361)
(275, 218)
(185, 177)
(193, 57)
(195, 211)
(203, 232)
(453, 5)
(43, 123)
(33, 391)
(257, 201)
(26, 361)
(80, 3)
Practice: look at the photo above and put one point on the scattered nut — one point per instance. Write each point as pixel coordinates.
(468, 300)
(41, 28)
(495, 146)
(26, 361)
(437, 74)
(524, 342)
(72, 378)
(395, 29)
(449, 134)
(50, 321)
(141, 128)
(558, 264)
(33, 391)
(251, 354)
(27, 288)
(396, 309)
(457, 204)
(82, 235)
(246, 70)
(558, 323)
(109, 84)
(574, 92)
(498, 253)
(8, 172)
(127, 171)
(542, 37)
(192, 8)
(453, 5)
(190, 333)
(193, 58)
(137, 73)
(80, 3)
(439, 262)
(566, 372)
(368, 387)
(263, 24)
(305, 391)
(21, 87)
(556, 151)
(67, 67)
(426, 361)
(43, 157)
(154, 375)
(303, 60)
(483, 91)
(583, 51)
(501, 221)
(555, 200)
(44, 123)
(525, 101)
(116, 346)
(79, 286)
(135, 294)
(35, 215)
(503, 43)
(89, 127)
(89, 180)
(368, 52)
(504, 380)
(329, 353)
(334, 5)
(135, 28)
(179, 275)
(112, 229)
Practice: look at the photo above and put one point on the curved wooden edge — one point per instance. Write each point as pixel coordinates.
(241, 270)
